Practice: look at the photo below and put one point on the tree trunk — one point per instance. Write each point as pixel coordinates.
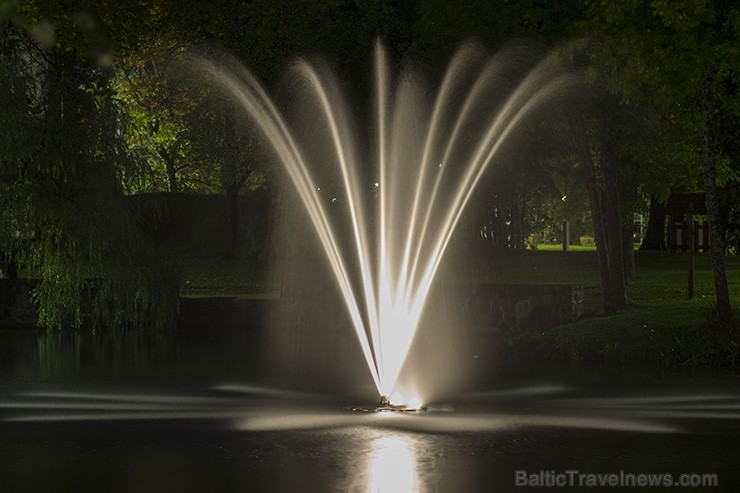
(602, 184)
(608, 236)
(171, 174)
(717, 248)
(655, 233)
(616, 298)
(8, 267)
(232, 219)
(599, 237)
(628, 253)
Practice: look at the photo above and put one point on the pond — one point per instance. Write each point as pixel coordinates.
(198, 412)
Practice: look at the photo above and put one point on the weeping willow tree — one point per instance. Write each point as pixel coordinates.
(64, 219)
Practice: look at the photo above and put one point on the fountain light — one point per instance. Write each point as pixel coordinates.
(407, 400)
(428, 155)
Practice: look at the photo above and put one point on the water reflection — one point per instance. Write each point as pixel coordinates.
(256, 434)
(392, 465)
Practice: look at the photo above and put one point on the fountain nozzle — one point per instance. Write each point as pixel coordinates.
(384, 400)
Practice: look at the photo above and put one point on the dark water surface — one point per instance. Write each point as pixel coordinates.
(131, 413)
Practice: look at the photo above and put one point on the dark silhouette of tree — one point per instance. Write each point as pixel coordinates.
(679, 57)
(62, 158)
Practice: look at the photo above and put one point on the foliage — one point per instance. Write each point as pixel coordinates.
(652, 54)
(220, 136)
(65, 218)
(441, 25)
(92, 111)
(154, 122)
(674, 337)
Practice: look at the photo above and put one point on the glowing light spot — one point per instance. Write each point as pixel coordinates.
(407, 399)
(414, 403)
(393, 466)
(397, 399)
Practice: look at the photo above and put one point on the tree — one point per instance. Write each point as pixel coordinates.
(605, 190)
(717, 248)
(443, 25)
(155, 111)
(61, 162)
(265, 35)
(655, 233)
(236, 159)
(683, 55)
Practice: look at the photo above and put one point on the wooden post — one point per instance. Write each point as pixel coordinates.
(691, 250)
(566, 236)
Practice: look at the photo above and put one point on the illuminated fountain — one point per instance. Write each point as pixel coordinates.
(399, 198)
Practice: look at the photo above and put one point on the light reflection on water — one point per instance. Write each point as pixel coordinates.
(286, 436)
(254, 408)
(392, 465)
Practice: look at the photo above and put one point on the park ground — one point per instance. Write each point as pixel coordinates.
(661, 329)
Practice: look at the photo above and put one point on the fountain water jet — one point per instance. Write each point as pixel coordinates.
(427, 158)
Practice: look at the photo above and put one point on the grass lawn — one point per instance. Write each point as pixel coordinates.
(661, 327)
(553, 247)
(661, 277)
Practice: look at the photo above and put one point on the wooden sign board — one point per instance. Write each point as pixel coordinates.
(678, 203)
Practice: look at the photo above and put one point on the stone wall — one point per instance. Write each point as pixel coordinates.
(510, 307)
(478, 307)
